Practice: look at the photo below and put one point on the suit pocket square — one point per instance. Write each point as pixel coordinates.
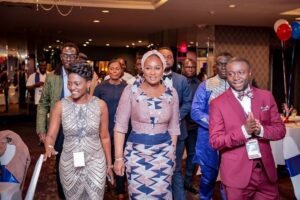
(265, 108)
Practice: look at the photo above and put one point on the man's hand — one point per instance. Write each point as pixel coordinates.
(42, 137)
(39, 84)
(250, 124)
(257, 127)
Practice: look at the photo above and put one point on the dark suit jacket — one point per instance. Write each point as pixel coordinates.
(185, 100)
(226, 119)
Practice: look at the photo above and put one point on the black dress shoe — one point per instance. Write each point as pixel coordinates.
(191, 189)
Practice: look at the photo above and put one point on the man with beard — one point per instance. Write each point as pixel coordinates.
(55, 88)
(205, 156)
(179, 82)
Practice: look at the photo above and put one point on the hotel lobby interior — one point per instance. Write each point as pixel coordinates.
(107, 29)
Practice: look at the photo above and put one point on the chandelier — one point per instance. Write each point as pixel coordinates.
(55, 4)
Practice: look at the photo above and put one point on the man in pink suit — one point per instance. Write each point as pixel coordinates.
(243, 121)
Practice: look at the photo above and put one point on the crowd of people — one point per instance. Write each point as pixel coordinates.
(134, 129)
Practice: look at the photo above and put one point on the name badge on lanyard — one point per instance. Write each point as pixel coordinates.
(253, 150)
(78, 159)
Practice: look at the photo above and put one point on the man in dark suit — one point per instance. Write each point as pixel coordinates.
(189, 71)
(55, 88)
(243, 121)
(180, 83)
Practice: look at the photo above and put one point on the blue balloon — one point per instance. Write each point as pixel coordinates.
(295, 30)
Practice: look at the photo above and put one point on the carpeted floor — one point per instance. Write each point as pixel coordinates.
(46, 188)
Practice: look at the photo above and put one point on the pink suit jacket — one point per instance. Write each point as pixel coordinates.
(226, 119)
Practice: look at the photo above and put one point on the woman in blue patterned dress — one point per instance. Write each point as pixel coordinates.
(150, 149)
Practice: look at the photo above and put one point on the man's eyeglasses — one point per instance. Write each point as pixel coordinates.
(70, 56)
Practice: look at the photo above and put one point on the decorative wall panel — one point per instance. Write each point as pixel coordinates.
(251, 43)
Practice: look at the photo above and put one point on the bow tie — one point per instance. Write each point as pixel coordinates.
(245, 93)
(169, 76)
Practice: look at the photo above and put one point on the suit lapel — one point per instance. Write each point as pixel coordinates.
(255, 108)
(235, 105)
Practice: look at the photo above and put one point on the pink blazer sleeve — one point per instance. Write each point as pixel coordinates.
(174, 127)
(274, 128)
(123, 111)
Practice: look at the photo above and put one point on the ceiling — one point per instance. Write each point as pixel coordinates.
(131, 20)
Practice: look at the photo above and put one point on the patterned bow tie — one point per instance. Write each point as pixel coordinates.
(245, 93)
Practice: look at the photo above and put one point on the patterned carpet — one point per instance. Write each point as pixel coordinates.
(46, 188)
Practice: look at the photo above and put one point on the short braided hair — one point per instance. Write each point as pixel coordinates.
(83, 69)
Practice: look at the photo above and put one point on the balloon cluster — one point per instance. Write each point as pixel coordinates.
(285, 30)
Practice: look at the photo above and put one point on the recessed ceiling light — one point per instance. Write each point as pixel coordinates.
(96, 21)
(84, 45)
(57, 41)
(212, 12)
(191, 42)
(232, 6)
(87, 42)
(140, 41)
(133, 44)
(105, 11)
(50, 47)
(127, 46)
(90, 40)
(107, 45)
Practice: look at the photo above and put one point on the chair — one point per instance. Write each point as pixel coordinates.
(10, 190)
(291, 155)
(34, 179)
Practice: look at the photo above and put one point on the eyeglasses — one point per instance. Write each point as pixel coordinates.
(70, 56)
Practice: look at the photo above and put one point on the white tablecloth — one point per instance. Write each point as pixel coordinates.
(293, 131)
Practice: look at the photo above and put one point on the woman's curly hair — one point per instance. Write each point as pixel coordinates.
(83, 69)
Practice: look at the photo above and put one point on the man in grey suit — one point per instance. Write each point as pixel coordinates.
(180, 83)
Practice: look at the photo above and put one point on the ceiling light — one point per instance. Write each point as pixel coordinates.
(127, 46)
(84, 45)
(107, 45)
(191, 42)
(87, 42)
(105, 11)
(90, 40)
(140, 41)
(57, 41)
(50, 47)
(133, 44)
(232, 6)
(96, 21)
(212, 12)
